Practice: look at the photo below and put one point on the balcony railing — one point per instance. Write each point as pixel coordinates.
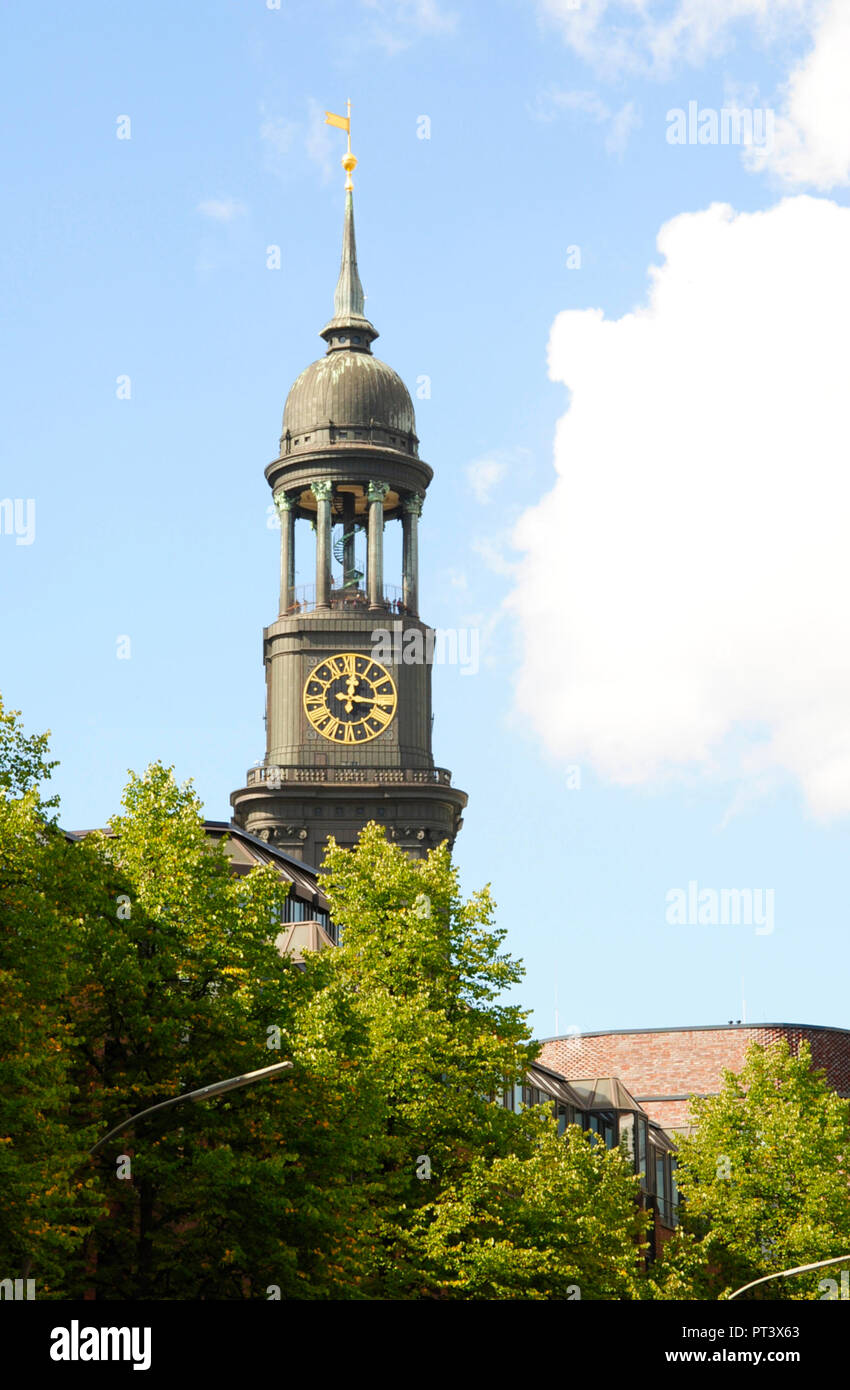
(277, 776)
(351, 599)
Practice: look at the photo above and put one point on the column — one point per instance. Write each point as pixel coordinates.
(286, 511)
(376, 493)
(347, 539)
(410, 514)
(322, 493)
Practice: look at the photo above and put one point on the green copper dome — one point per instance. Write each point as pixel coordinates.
(350, 390)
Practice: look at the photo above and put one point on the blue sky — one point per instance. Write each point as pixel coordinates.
(658, 582)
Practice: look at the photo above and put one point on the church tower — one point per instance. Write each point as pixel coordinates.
(348, 659)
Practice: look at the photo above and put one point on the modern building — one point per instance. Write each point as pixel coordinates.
(348, 660)
(663, 1067)
(605, 1107)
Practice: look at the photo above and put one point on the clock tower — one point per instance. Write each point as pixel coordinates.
(348, 659)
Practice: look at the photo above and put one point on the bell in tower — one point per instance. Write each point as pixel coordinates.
(348, 714)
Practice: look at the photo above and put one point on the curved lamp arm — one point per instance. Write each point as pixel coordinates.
(786, 1273)
(218, 1088)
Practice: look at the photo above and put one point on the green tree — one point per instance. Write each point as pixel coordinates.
(179, 984)
(466, 1198)
(135, 966)
(765, 1177)
(47, 1204)
(559, 1221)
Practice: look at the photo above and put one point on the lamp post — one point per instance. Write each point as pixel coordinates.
(786, 1273)
(217, 1088)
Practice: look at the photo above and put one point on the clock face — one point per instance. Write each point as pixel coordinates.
(349, 698)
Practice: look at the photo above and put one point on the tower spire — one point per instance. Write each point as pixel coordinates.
(349, 299)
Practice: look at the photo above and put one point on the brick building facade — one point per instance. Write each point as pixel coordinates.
(662, 1067)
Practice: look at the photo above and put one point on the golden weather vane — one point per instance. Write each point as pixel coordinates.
(349, 163)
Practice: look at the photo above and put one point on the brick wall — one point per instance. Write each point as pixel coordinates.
(678, 1062)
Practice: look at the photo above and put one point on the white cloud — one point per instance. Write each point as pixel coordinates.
(279, 134)
(484, 474)
(419, 16)
(319, 141)
(620, 123)
(496, 552)
(285, 140)
(651, 36)
(222, 209)
(812, 142)
(811, 147)
(551, 103)
(683, 593)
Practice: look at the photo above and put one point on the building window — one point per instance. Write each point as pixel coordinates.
(627, 1133)
(661, 1186)
(296, 910)
(642, 1140)
(339, 810)
(603, 1123)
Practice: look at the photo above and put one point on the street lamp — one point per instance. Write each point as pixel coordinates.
(786, 1273)
(217, 1088)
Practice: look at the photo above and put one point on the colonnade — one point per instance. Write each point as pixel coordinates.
(411, 510)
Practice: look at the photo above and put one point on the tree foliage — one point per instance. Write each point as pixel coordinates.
(766, 1179)
(467, 1199)
(46, 1204)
